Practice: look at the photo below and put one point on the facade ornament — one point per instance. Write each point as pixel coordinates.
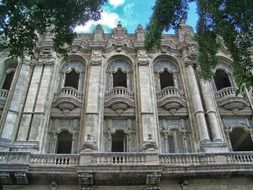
(184, 185)
(149, 145)
(5, 178)
(139, 32)
(153, 181)
(99, 33)
(96, 58)
(86, 181)
(21, 178)
(142, 58)
(53, 186)
(185, 32)
(90, 145)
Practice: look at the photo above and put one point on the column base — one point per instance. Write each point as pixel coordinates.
(26, 146)
(214, 147)
(5, 144)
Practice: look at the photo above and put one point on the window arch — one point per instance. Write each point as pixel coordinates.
(8, 74)
(221, 79)
(64, 143)
(73, 74)
(119, 141)
(166, 74)
(119, 74)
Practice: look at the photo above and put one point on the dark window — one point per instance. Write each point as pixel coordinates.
(119, 79)
(171, 144)
(241, 140)
(221, 79)
(119, 142)
(64, 143)
(166, 79)
(72, 79)
(8, 80)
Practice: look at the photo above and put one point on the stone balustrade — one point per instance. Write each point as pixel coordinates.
(239, 159)
(119, 92)
(225, 92)
(3, 94)
(169, 91)
(118, 158)
(68, 92)
(61, 160)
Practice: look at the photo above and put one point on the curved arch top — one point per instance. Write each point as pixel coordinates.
(162, 63)
(119, 62)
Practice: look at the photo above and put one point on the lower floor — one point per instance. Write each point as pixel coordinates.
(191, 183)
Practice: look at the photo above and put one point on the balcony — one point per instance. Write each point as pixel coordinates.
(228, 99)
(119, 99)
(3, 97)
(171, 98)
(67, 98)
(104, 166)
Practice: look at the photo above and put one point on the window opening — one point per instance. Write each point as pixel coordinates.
(119, 79)
(241, 140)
(72, 79)
(8, 80)
(171, 144)
(119, 142)
(64, 143)
(221, 79)
(166, 79)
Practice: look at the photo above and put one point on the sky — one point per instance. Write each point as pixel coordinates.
(130, 13)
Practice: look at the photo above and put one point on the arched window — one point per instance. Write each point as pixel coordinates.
(8, 80)
(221, 79)
(72, 79)
(166, 79)
(241, 140)
(119, 79)
(119, 142)
(64, 143)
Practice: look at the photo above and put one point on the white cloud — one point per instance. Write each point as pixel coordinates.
(116, 3)
(108, 19)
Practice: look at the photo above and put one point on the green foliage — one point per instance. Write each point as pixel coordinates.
(22, 21)
(226, 23)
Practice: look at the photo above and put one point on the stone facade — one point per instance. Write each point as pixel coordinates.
(114, 116)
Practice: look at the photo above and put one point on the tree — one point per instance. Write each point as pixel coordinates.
(22, 21)
(229, 20)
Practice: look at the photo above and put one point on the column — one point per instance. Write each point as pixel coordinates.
(17, 102)
(196, 104)
(148, 122)
(91, 133)
(214, 125)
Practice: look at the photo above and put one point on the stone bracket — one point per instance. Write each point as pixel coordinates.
(5, 178)
(153, 179)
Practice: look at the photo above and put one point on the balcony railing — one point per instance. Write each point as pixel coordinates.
(68, 92)
(54, 160)
(3, 94)
(169, 91)
(225, 92)
(119, 92)
(96, 159)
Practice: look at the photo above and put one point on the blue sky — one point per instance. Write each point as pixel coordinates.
(130, 13)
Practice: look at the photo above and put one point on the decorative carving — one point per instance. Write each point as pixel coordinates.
(153, 178)
(119, 64)
(86, 181)
(160, 66)
(5, 178)
(149, 145)
(96, 58)
(78, 66)
(185, 32)
(142, 58)
(90, 145)
(21, 178)
(53, 185)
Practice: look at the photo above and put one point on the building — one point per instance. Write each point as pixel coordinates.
(113, 116)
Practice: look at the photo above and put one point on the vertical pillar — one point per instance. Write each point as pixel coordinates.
(213, 121)
(196, 104)
(17, 102)
(92, 131)
(148, 122)
(33, 121)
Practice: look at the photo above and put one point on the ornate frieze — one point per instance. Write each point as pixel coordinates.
(142, 58)
(96, 58)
